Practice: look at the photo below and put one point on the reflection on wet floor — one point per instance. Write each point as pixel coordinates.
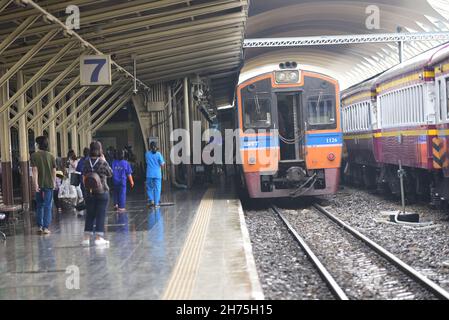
(144, 245)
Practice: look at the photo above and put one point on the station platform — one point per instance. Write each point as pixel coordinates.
(198, 248)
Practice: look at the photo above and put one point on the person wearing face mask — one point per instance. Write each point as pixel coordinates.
(43, 167)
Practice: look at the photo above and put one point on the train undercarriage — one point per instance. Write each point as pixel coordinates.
(419, 184)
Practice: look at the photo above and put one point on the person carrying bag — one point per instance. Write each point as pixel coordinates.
(95, 173)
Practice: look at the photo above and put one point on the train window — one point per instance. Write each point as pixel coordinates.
(321, 110)
(415, 105)
(409, 111)
(447, 98)
(257, 112)
(350, 117)
(441, 99)
(397, 106)
(403, 108)
(421, 102)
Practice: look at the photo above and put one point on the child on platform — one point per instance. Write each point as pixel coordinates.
(121, 171)
(58, 182)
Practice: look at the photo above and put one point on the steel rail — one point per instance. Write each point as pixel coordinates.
(327, 277)
(412, 273)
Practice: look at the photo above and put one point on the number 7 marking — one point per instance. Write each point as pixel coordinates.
(100, 64)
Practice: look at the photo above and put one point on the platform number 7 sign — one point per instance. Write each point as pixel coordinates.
(95, 70)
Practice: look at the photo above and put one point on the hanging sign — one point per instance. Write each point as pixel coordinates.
(95, 70)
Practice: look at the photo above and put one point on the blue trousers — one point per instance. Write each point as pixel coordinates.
(120, 195)
(154, 188)
(44, 202)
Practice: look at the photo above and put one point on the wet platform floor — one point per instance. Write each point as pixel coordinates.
(145, 245)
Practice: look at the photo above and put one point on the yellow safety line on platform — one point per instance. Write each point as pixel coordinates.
(182, 280)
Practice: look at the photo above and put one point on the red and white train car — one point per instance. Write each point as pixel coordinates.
(401, 117)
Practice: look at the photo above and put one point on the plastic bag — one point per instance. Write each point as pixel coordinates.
(66, 190)
(75, 179)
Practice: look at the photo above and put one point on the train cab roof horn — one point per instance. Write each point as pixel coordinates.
(288, 65)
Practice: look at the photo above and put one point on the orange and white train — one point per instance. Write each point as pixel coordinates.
(290, 138)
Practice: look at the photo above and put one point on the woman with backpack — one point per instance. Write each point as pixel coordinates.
(121, 171)
(95, 173)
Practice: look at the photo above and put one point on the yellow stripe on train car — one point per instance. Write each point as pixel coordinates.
(411, 78)
(438, 153)
(405, 133)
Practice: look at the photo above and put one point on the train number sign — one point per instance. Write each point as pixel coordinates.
(95, 70)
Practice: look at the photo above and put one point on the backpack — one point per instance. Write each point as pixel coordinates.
(92, 180)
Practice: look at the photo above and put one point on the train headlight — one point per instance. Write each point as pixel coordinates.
(287, 76)
(331, 156)
(292, 76)
(281, 76)
(252, 160)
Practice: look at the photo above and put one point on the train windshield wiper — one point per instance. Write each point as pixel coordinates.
(256, 101)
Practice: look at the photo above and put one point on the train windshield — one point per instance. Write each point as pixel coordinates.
(257, 112)
(321, 110)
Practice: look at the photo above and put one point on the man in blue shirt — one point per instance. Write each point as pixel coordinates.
(154, 162)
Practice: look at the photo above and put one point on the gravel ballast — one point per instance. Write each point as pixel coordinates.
(284, 269)
(425, 248)
(360, 272)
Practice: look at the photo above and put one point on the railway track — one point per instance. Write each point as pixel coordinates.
(352, 265)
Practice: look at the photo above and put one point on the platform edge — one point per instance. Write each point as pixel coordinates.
(256, 287)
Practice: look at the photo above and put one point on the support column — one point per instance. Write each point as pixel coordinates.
(88, 137)
(52, 127)
(171, 120)
(74, 139)
(38, 127)
(83, 134)
(5, 145)
(64, 134)
(82, 141)
(23, 144)
(187, 128)
(87, 131)
(74, 130)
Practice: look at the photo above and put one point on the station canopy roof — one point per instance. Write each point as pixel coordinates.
(170, 39)
(349, 64)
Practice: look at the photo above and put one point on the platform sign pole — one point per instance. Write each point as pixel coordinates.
(135, 75)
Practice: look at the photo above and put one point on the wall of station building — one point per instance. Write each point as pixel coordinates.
(121, 134)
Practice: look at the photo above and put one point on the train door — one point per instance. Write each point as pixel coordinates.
(290, 129)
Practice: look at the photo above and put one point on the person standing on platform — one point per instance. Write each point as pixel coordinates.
(43, 167)
(72, 164)
(121, 171)
(59, 178)
(79, 168)
(95, 173)
(154, 162)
